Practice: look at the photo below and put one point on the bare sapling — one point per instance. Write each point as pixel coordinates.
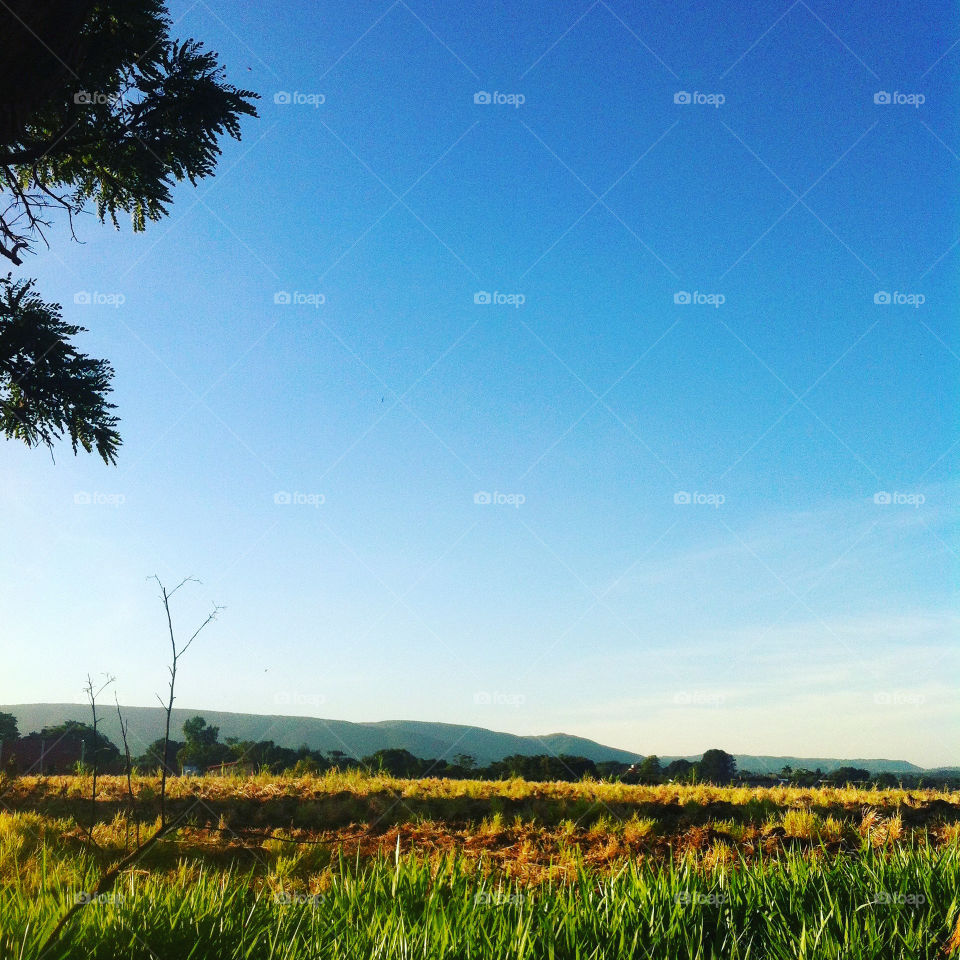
(92, 694)
(175, 654)
(131, 802)
(166, 826)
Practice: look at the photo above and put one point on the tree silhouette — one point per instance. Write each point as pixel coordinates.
(47, 387)
(99, 107)
(717, 766)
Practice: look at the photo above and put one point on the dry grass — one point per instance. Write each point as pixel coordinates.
(291, 829)
(272, 867)
(357, 784)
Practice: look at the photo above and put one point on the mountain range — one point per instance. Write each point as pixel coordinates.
(422, 738)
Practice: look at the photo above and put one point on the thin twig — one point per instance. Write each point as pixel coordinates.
(109, 878)
(131, 803)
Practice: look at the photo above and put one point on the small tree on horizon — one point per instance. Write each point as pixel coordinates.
(717, 766)
(678, 769)
(9, 734)
(848, 775)
(8, 728)
(650, 770)
(202, 747)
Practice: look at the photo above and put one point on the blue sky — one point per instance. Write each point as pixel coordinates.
(732, 157)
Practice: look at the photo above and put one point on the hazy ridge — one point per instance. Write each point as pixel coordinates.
(421, 738)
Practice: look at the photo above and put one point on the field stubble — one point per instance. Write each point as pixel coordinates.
(341, 863)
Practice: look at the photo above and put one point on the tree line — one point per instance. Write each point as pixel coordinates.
(74, 746)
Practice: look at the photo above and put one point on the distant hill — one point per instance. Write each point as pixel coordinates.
(421, 738)
(826, 764)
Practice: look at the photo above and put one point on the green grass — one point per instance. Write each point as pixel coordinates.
(487, 871)
(882, 904)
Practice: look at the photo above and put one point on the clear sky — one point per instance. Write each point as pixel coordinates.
(629, 159)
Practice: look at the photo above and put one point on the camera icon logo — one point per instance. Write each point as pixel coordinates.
(82, 296)
(82, 497)
(681, 96)
(281, 296)
(482, 497)
(482, 697)
(481, 96)
(282, 497)
(882, 497)
(881, 96)
(481, 296)
(281, 97)
(681, 296)
(881, 297)
(681, 496)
